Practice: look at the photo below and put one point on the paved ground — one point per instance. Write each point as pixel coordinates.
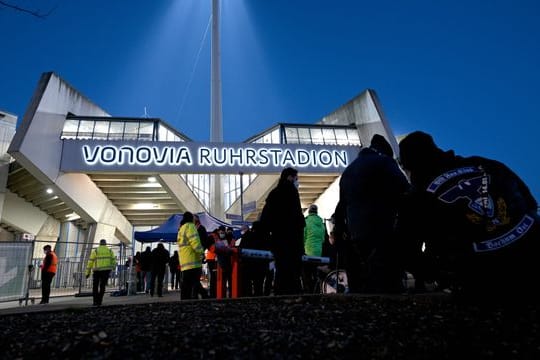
(74, 302)
(432, 326)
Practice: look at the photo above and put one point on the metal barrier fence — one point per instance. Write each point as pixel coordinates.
(236, 254)
(25, 259)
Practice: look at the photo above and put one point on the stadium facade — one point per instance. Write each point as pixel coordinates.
(71, 171)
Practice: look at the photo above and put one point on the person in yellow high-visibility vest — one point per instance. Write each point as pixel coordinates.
(101, 262)
(190, 252)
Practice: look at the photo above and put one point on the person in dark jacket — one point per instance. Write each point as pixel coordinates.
(138, 271)
(477, 219)
(174, 269)
(370, 191)
(160, 259)
(146, 268)
(283, 220)
(253, 271)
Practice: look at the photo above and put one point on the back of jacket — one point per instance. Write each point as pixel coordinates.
(189, 247)
(314, 235)
(477, 205)
(370, 190)
(282, 217)
(101, 258)
(160, 258)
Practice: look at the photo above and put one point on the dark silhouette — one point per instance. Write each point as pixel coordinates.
(283, 220)
(146, 268)
(253, 271)
(477, 218)
(174, 269)
(370, 191)
(160, 259)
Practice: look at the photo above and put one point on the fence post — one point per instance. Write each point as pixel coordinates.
(235, 279)
(219, 283)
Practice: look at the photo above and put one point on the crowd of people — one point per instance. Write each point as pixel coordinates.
(469, 225)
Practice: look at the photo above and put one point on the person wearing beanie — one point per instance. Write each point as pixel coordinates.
(282, 219)
(370, 190)
(477, 218)
(379, 143)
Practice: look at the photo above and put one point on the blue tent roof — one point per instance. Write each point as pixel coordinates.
(167, 231)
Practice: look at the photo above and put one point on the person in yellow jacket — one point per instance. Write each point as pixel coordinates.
(190, 252)
(101, 262)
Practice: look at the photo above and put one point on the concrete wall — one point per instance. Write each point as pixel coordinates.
(37, 146)
(365, 111)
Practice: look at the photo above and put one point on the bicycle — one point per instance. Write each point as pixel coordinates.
(334, 282)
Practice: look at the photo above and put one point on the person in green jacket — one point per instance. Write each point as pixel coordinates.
(314, 234)
(101, 262)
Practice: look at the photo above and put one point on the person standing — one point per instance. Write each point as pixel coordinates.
(48, 270)
(174, 269)
(223, 251)
(253, 270)
(211, 262)
(205, 243)
(138, 271)
(160, 258)
(191, 252)
(314, 235)
(371, 188)
(101, 262)
(201, 230)
(146, 268)
(283, 220)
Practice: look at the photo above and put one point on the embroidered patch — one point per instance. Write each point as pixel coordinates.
(504, 240)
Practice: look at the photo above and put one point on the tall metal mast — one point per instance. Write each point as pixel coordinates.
(216, 132)
(216, 123)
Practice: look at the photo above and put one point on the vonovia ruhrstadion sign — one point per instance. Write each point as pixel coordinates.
(195, 157)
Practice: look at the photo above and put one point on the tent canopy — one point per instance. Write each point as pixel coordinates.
(167, 231)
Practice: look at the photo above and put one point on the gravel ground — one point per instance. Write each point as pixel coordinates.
(310, 327)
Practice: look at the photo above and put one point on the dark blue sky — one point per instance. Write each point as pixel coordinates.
(468, 72)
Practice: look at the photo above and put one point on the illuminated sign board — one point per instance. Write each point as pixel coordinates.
(194, 157)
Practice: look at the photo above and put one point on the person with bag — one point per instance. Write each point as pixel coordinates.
(101, 262)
